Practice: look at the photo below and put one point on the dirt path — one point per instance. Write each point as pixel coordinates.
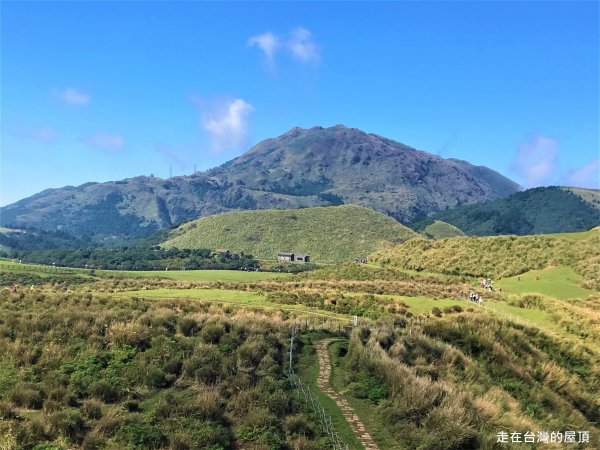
(323, 382)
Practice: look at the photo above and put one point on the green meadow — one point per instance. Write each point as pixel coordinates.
(559, 282)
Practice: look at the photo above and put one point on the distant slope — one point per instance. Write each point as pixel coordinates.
(436, 229)
(331, 233)
(534, 211)
(500, 256)
(591, 196)
(301, 168)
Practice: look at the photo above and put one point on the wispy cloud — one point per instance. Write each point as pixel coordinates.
(268, 43)
(536, 160)
(587, 176)
(303, 47)
(73, 97)
(227, 122)
(104, 141)
(299, 43)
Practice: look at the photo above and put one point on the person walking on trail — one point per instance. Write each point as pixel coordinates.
(14, 288)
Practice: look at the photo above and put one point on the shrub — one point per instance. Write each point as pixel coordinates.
(141, 435)
(92, 409)
(188, 326)
(68, 424)
(27, 397)
(211, 333)
(105, 391)
(298, 425)
(436, 311)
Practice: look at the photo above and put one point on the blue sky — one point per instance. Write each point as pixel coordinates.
(98, 91)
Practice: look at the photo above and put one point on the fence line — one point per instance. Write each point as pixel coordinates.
(304, 392)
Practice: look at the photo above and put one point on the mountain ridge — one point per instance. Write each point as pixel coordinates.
(300, 168)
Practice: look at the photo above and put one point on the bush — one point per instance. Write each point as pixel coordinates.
(92, 409)
(27, 397)
(298, 425)
(68, 424)
(141, 435)
(211, 333)
(188, 326)
(105, 391)
(436, 311)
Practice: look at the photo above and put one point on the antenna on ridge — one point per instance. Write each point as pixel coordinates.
(194, 168)
(170, 171)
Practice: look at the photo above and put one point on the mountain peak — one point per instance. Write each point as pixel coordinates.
(302, 167)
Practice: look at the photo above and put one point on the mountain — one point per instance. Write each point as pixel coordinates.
(534, 211)
(301, 168)
(332, 233)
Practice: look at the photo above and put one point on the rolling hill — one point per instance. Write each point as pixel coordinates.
(301, 168)
(436, 229)
(499, 256)
(333, 233)
(534, 211)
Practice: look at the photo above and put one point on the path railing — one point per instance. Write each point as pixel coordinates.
(309, 398)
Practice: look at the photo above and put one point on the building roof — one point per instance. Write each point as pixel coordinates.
(285, 254)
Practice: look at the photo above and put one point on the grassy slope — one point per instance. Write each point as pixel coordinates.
(441, 230)
(559, 282)
(249, 300)
(591, 196)
(455, 382)
(499, 256)
(326, 234)
(199, 275)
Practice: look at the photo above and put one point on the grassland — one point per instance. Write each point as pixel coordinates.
(558, 282)
(198, 275)
(500, 256)
(441, 230)
(424, 369)
(325, 233)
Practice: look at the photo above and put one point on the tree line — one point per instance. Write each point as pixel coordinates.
(139, 258)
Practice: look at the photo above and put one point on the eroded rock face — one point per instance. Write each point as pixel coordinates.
(303, 167)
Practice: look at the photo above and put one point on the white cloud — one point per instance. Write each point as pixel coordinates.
(587, 176)
(268, 43)
(303, 46)
(227, 122)
(105, 141)
(73, 96)
(45, 135)
(536, 160)
(300, 45)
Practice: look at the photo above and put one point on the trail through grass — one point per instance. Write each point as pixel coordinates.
(308, 371)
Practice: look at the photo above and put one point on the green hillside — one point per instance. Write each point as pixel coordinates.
(436, 229)
(500, 256)
(325, 233)
(534, 211)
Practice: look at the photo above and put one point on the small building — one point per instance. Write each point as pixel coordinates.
(285, 257)
(360, 260)
(303, 258)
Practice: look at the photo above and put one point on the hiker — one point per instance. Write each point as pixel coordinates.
(14, 288)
